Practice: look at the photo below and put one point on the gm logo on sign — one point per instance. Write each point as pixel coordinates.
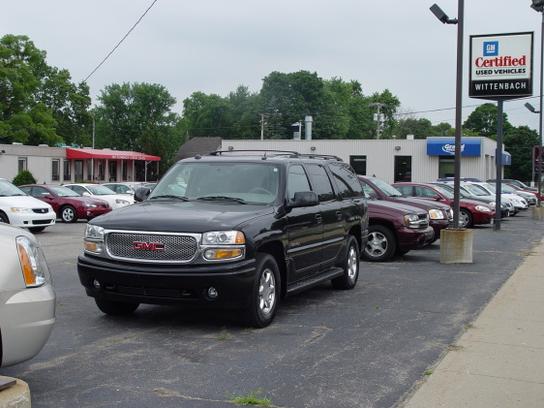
(491, 48)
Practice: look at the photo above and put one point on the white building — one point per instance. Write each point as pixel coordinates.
(395, 159)
(57, 165)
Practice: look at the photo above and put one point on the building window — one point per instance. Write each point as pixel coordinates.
(67, 170)
(101, 173)
(446, 166)
(403, 168)
(55, 170)
(112, 170)
(90, 174)
(359, 164)
(22, 164)
(78, 170)
(124, 170)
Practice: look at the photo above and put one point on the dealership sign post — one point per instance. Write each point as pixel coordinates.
(501, 68)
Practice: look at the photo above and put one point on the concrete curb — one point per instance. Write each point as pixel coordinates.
(17, 396)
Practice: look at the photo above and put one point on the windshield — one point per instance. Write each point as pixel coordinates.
(444, 192)
(100, 190)
(9, 190)
(63, 192)
(489, 187)
(385, 188)
(255, 183)
(464, 193)
(507, 189)
(476, 190)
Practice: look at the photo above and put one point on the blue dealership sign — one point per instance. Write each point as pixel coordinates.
(445, 146)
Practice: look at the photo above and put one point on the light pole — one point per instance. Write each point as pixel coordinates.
(443, 17)
(538, 5)
(532, 109)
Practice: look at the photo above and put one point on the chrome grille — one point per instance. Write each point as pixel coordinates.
(174, 248)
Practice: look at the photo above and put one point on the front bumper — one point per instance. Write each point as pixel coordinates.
(481, 218)
(409, 238)
(27, 317)
(437, 226)
(167, 284)
(29, 220)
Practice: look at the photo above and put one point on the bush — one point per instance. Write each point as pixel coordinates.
(24, 177)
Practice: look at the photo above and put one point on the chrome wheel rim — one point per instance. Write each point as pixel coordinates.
(463, 219)
(377, 244)
(267, 292)
(68, 214)
(353, 264)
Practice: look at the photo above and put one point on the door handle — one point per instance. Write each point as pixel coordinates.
(339, 215)
(318, 218)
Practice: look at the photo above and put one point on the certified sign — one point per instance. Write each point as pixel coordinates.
(501, 66)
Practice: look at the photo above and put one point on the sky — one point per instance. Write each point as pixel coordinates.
(215, 45)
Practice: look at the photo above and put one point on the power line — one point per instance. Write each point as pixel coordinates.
(120, 41)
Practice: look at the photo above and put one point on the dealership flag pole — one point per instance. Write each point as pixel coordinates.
(458, 115)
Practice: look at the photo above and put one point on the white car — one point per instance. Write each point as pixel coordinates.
(123, 188)
(518, 202)
(27, 298)
(21, 210)
(103, 193)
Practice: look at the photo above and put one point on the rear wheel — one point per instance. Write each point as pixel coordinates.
(266, 292)
(68, 214)
(116, 308)
(351, 267)
(381, 245)
(465, 218)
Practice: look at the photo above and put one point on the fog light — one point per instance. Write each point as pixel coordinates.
(212, 292)
(96, 284)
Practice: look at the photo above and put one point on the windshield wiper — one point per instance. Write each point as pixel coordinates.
(182, 198)
(219, 197)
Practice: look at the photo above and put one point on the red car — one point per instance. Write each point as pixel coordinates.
(472, 212)
(68, 205)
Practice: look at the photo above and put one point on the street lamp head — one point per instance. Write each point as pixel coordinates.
(530, 107)
(443, 17)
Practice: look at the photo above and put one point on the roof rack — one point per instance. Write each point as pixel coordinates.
(273, 153)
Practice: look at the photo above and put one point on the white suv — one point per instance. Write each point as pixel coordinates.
(21, 210)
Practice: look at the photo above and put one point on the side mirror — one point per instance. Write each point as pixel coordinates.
(86, 194)
(304, 199)
(141, 194)
(437, 198)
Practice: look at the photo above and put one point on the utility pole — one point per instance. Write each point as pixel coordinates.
(92, 160)
(378, 115)
(262, 126)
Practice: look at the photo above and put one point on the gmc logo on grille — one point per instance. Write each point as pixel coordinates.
(148, 246)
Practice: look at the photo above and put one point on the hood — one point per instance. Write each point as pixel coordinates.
(179, 216)
(422, 203)
(468, 201)
(23, 201)
(391, 206)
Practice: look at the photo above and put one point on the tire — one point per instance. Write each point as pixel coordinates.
(265, 295)
(401, 252)
(116, 308)
(68, 214)
(381, 245)
(4, 218)
(351, 267)
(465, 218)
(35, 230)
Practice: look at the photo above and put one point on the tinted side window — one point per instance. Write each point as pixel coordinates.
(27, 190)
(321, 182)
(39, 191)
(424, 192)
(405, 190)
(347, 182)
(297, 181)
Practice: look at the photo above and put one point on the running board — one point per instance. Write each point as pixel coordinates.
(314, 280)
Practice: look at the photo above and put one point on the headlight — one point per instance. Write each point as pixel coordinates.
(91, 205)
(223, 245)
(33, 264)
(483, 208)
(121, 202)
(94, 239)
(223, 238)
(435, 214)
(412, 221)
(21, 210)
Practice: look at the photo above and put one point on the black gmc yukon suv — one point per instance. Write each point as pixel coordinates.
(232, 229)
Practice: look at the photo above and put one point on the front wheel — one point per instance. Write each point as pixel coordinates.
(68, 214)
(116, 308)
(266, 292)
(351, 267)
(465, 218)
(381, 245)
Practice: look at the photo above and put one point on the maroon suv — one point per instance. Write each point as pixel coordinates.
(395, 229)
(440, 215)
(68, 205)
(472, 212)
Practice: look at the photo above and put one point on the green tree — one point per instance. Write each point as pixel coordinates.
(483, 121)
(420, 128)
(138, 117)
(24, 177)
(442, 129)
(519, 143)
(389, 110)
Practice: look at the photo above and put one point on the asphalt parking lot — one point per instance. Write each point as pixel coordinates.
(363, 348)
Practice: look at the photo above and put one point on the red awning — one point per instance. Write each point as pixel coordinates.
(78, 154)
